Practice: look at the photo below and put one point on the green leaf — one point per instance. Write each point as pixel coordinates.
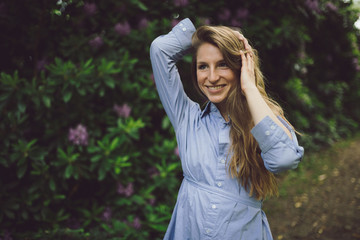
(9, 214)
(21, 171)
(114, 144)
(52, 185)
(88, 62)
(68, 171)
(95, 158)
(46, 101)
(67, 96)
(139, 4)
(110, 83)
(60, 196)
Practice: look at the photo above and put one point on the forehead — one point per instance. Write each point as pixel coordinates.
(208, 52)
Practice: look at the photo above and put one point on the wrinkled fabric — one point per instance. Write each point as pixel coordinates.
(211, 204)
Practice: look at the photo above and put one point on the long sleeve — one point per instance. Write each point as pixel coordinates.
(278, 151)
(165, 51)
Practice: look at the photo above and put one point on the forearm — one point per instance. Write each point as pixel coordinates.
(259, 108)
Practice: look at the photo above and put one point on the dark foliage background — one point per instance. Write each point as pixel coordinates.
(86, 149)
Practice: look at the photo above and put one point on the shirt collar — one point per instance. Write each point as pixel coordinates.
(211, 108)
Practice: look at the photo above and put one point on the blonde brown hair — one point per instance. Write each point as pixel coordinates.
(246, 163)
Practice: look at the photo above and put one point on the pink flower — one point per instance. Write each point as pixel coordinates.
(205, 21)
(235, 23)
(106, 215)
(143, 23)
(152, 201)
(242, 13)
(174, 22)
(356, 64)
(79, 135)
(331, 6)
(41, 64)
(153, 172)
(122, 29)
(224, 14)
(313, 5)
(90, 9)
(136, 223)
(152, 78)
(176, 151)
(127, 191)
(96, 42)
(181, 3)
(123, 110)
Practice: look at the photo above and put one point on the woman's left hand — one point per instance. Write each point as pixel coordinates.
(247, 75)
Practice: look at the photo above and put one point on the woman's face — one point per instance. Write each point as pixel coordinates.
(214, 77)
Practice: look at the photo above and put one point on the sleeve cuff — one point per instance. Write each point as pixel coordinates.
(183, 32)
(267, 133)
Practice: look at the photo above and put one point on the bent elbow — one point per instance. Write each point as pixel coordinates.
(285, 160)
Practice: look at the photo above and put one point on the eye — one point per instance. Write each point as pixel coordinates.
(223, 65)
(202, 66)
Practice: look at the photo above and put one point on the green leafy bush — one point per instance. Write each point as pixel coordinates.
(87, 151)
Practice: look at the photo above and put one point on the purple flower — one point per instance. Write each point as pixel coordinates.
(96, 42)
(313, 5)
(127, 191)
(224, 14)
(181, 3)
(242, 13)
(152, 78)
(235, 22)
(79, 135)
(122, 28)
(143, 23)
(7, 235)
(205, 21)
(329, 58)
(331, 6)
(106, 215)
(174, 22)
(136, 223)
(123, 110)
(152, 201)
(90, 9)
(73, 223)
(153, 172)
(356, 64)
(41, 64)
(176, 151)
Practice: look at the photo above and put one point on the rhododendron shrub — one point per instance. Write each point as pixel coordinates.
(87, 151)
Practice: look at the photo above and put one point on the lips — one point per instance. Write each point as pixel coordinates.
(215, 88)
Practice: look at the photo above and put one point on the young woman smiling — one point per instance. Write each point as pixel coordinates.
(229, 150)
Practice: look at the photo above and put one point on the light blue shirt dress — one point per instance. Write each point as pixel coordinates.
(211, 204)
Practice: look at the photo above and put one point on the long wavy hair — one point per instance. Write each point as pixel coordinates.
(246, 163)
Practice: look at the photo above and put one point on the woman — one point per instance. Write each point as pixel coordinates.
(230, 149)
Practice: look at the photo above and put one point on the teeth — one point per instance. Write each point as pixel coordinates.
(216, 87)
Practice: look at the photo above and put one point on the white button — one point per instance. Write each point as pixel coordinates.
(267, 133)
(213, 206)
(207, 230)
(272, 127)
(181, 24)
(219, 184)
(184, 29)
(222, 161)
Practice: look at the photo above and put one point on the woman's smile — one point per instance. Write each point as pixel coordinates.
(215, 78)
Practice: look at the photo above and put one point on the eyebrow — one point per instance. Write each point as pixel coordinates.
(202, 62)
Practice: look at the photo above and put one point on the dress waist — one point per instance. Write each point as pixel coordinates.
(211, 189)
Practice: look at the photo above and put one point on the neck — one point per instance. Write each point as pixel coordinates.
(222, 109)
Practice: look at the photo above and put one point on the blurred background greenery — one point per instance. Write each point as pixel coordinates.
(87, 151)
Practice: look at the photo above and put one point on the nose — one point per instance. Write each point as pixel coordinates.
(213, 75)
